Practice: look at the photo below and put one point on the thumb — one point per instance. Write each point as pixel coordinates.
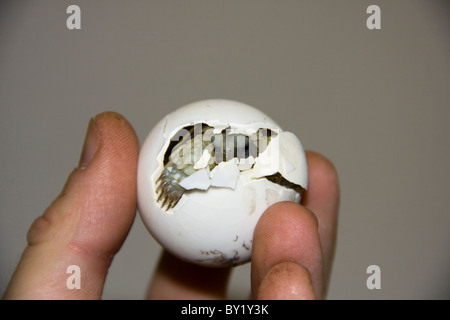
(71, 246)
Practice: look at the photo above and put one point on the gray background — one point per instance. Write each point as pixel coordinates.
(375, 102)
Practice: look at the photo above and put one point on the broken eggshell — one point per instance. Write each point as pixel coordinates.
(213, 221)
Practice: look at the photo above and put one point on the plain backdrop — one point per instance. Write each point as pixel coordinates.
(375, 102)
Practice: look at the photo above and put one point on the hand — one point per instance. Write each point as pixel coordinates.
(88, 222)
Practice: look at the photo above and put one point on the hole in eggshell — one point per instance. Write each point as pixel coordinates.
(198, 157)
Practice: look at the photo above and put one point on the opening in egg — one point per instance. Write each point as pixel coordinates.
(200, 156)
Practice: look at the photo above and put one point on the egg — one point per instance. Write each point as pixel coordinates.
(206, 174)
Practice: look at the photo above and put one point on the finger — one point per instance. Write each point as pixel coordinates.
(87, 223)
(178, 280)
(287, 254)
(322, 197)
(286, 281)
(287, 234)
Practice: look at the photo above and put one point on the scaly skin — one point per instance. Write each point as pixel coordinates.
(185, 154)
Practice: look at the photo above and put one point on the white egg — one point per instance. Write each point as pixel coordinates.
(233, 163)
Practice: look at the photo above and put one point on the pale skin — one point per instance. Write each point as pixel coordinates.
(293, 244)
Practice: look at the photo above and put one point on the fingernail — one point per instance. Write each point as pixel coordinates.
(90, 146)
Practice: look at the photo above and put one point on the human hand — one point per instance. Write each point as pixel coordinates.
(88, 222)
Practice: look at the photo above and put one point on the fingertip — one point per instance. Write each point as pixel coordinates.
(287, 209)
(322, 175)
(113, 122)
(284, 221)
(119, 142)
(286, 281)
(318, 158)
(286, 232)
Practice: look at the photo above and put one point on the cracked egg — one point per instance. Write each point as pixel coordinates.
(206, 174)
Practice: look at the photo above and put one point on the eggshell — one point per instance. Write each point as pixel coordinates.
(214, 227)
